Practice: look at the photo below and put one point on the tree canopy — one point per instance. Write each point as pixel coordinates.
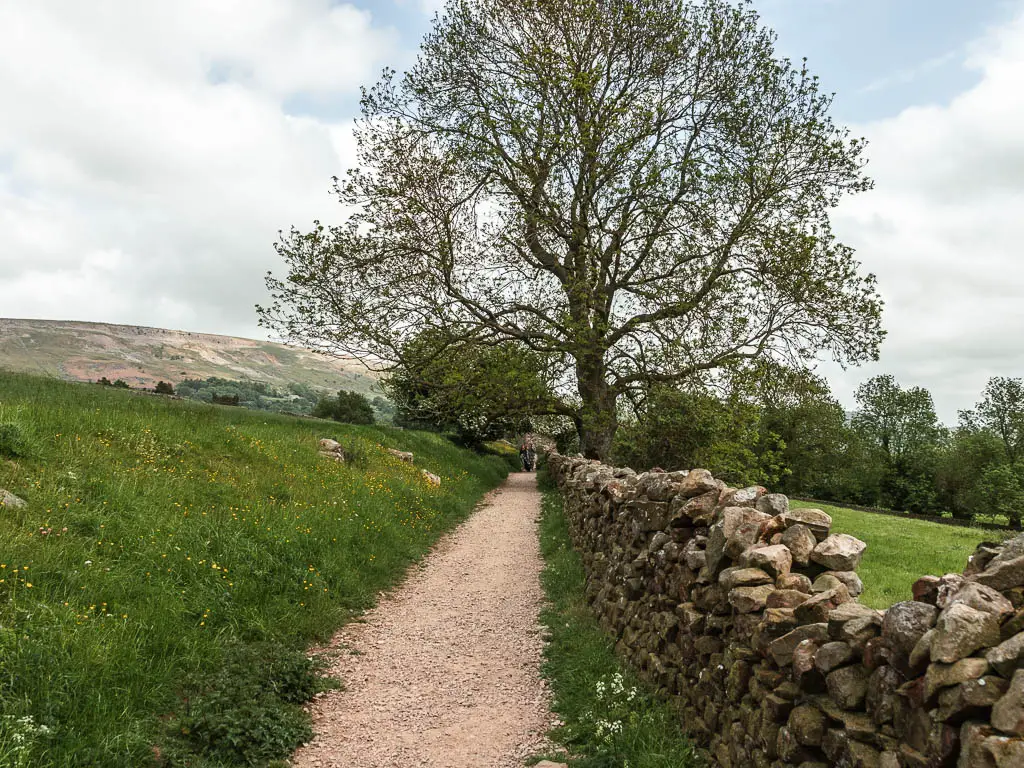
(638, 190)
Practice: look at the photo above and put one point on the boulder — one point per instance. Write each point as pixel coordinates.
(405, 456)
(941, 676)
(729, 520)
(1008, 712)
(786, 598)
(808, 725)
(800, 542)
(847, 686)
(775, 559)
(1002, 575)
(971, 698)
(906, 622)
(431, 478)
(832, 656)
(744, 577)
(1007, 657)
(743, 497)
(977, 596)
(782, 648)
(10, 501)
(850, 580)
(749, 599)
(796, 581)
(925, 589)
(839, 552)
(773, 504)
(824, 583)
(961, 630)
(819, 523)
(818, 607)
(697, 482)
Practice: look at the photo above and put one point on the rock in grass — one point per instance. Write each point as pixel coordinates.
(10, 501)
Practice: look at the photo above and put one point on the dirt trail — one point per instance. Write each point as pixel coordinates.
(445, 671)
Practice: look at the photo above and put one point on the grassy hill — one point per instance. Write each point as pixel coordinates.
(158, 592)
(143, 356)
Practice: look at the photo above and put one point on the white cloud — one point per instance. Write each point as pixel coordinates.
(146, 156)
(944, 232)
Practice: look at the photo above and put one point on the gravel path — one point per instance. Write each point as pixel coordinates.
(445, 671)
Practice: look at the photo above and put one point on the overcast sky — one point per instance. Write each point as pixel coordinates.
(150, 151)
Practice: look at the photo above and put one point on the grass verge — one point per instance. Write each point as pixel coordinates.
(609, 717)
(175, 560)
(901, 550)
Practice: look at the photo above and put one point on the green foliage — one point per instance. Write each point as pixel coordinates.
(1002, 491)
(643, 207)
(609, 717)
(683, 430)
(163, 388)
(298, 399)
(13, 441)
(347, 407)
(247, 711)
(480, 392)
(165, 540)
(1001, 412)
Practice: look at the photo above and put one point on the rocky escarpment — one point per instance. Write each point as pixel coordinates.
(745, 612)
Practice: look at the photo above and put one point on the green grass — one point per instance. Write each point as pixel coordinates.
(901, 550)
(176, 559)
(610, 719)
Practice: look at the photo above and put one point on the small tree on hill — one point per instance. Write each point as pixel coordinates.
(640, 189)
(121, 384)
(347, 407)
(163, 388)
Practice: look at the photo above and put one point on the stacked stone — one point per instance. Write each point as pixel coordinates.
(745, 612)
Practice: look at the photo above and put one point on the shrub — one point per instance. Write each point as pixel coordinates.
(163, 388)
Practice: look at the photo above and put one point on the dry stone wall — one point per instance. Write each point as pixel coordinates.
(745, 612)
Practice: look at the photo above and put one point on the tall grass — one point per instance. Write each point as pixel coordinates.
(165, 542)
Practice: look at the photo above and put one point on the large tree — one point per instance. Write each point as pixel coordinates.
(1001, 411)
(640, 189)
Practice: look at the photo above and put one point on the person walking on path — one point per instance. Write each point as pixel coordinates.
(524, 456)
(445, 671)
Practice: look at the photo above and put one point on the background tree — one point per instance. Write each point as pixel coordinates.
(902, 426)
(639, 189)
(346, 407)
(478, 392)
(163, 388)
(1001, 411)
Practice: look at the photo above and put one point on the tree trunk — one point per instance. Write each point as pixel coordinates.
(598, 420)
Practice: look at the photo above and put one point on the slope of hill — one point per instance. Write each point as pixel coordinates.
(173, 560)
(143, 356)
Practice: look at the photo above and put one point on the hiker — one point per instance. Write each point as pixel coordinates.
(531, 458)
(524, 456)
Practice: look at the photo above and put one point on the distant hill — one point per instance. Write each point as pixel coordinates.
(143, 356)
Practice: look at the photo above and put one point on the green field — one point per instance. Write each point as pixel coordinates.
(176, 559)
(900, 550)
